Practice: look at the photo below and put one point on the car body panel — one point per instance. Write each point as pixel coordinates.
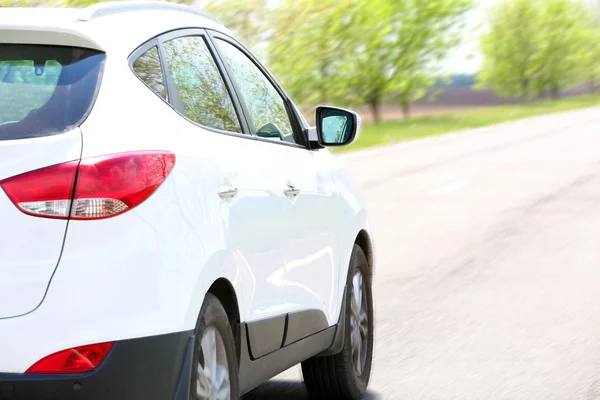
(30, 247)
(312, 257)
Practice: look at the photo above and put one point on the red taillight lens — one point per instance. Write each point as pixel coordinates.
(105, 186)
(77, 360)
(45, 192)
(110, 185)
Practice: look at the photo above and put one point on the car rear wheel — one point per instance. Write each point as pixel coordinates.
(346, 375)
(215, 371)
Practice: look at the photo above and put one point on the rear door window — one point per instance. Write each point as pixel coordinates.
(199, 83)
(45, 90)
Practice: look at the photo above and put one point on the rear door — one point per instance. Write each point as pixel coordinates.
(45, 94)
(312, 257)
(238, 181)
(307, 188)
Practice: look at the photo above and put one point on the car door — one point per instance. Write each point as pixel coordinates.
(312, 257)
(235, 181)
(309, 194)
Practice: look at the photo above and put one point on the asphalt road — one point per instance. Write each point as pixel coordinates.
(488, 263)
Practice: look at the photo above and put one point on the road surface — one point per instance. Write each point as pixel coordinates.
(488, 272)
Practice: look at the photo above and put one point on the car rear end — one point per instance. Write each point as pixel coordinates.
(68, 245)
(45, 94)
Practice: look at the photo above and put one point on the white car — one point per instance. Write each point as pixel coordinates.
(170, 225)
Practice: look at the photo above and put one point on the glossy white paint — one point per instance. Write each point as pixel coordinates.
(312, 232)
(353, 220)
(29, 247)
(147, 271)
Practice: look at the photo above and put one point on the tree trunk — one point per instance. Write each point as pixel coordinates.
(554, 93)
(525, 90)
(405, 109)
(592, 84)
(374, 103)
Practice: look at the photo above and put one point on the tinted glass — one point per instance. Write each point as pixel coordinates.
(199, 84)
(147, 67)
(265, 105)
(45, 90)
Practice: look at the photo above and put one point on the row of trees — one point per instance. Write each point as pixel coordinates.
(535, 48)
(350, 52)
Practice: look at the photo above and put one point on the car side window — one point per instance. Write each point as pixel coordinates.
(147, 68)
(265, 105)
(199, 83)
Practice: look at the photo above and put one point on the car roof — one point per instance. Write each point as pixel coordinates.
(111, 26)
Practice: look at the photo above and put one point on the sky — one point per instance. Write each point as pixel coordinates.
(466, 58)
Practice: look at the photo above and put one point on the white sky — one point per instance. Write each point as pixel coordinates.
(466, 58)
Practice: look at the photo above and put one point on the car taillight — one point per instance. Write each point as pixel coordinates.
(77, 360)
(92, 188)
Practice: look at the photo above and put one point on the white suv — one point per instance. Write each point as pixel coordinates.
(170, 226)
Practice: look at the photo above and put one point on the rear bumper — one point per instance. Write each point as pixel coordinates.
(156, 367)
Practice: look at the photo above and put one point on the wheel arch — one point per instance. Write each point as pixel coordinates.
(363, 240)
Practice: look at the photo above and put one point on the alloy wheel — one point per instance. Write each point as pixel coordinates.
(212, 379)
(359, 323)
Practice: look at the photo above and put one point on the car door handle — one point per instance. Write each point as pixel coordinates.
(291, 190)
(226, 192)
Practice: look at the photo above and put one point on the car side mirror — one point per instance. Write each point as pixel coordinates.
(336, 126)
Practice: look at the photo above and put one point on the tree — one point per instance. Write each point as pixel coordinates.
(532, 47)
(564, 39)
(248, 19)
(314, 43)
(509, 48)
(362, 52)
(372, 71)
(590, 56)
(425, 32)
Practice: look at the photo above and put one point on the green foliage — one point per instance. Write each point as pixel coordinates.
(249, 18)
(313, 41)
(425, 32)
(589, 58)
(534, 46)
(360, 52)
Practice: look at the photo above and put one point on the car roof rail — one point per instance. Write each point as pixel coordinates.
(99, 10)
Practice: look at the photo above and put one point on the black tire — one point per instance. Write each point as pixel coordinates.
(213, 315)
(335, 377)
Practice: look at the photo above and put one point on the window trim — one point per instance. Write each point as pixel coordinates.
(296, 125)
(140, 51)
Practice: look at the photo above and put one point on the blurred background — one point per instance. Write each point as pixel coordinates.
(394, 60)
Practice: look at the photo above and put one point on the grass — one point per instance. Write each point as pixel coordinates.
(399, 130)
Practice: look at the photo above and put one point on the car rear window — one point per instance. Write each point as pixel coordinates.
(45, 90)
